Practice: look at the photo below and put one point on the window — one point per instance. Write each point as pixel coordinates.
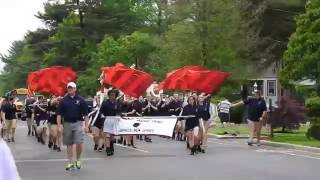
(271, 85)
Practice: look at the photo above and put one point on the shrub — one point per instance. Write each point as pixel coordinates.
(237, 114)
(313, 106)
(289, 115)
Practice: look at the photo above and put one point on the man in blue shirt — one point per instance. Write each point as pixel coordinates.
(74, 111)
(257, 111)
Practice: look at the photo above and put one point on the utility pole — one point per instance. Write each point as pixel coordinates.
(80, 13)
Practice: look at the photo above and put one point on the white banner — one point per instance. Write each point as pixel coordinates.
(163, 126)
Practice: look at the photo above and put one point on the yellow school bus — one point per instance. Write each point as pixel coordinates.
(20, 95)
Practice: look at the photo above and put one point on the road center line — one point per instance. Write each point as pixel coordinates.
(127, 147)
(136, 149)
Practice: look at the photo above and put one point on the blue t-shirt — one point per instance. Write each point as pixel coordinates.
(73, 108)
(255, 108)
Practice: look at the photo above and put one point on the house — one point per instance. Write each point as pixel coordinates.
(267, 82)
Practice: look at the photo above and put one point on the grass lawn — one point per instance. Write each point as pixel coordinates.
(294, 137)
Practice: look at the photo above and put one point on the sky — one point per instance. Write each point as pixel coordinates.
(16, 18)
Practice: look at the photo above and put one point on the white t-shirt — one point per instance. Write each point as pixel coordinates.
(8, 169)
(224, 106)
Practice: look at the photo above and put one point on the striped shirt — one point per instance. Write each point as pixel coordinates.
(224, 106)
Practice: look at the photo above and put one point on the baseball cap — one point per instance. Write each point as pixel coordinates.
(72, 84)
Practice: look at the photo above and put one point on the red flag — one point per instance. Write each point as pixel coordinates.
(184, 69)
(194, 78)
(131, 81)
(176, 79)
(51, 80)
(208, 82)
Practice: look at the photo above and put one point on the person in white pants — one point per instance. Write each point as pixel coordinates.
(7, 164)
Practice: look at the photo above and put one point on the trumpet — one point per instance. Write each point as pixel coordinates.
(41, 104)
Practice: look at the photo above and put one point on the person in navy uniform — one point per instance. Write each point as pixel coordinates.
(74, 110)
(9, 117)
(135, 109)
(203, 113)
(192, 124)
(97, 124)
(110, 107)
(257, 110)
(149, 109)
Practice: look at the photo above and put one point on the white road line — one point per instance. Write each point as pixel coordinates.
(136, 149)
(55, 160)
(287, 152)
(120, 145)
(306, 151)
(228, 144)
(299, 155)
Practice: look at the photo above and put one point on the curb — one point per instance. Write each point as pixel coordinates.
(270, 143)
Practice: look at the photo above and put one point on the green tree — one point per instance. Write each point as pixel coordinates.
(301, 60)
(206, 33)
(128, 49)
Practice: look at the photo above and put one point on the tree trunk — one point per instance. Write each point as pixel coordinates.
(203, 30)
(81, 19)
(318, 86)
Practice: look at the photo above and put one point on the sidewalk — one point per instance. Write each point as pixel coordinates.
(269, 143)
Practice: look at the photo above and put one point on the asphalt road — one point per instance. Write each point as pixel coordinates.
(167, 160)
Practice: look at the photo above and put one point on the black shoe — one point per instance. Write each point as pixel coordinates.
(250, 143)
(55, 147)
(188, 146)
(29, 132)
(134, 146)
(148, 140)
(108, 151)
(32, 133)
(95, 147)
(198, 148)
(193, 150)
(58, 149)
(12, 140)
(50, 144)
(8, 140)
(100, 149)
(124, 143)
(42, 142)
(201, 150)
(102, 146)
(39, 140)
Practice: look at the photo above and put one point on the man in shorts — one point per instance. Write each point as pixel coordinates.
(30, 116)
(257, 111)
(224, 112)
(74, 111)
(9, 117)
